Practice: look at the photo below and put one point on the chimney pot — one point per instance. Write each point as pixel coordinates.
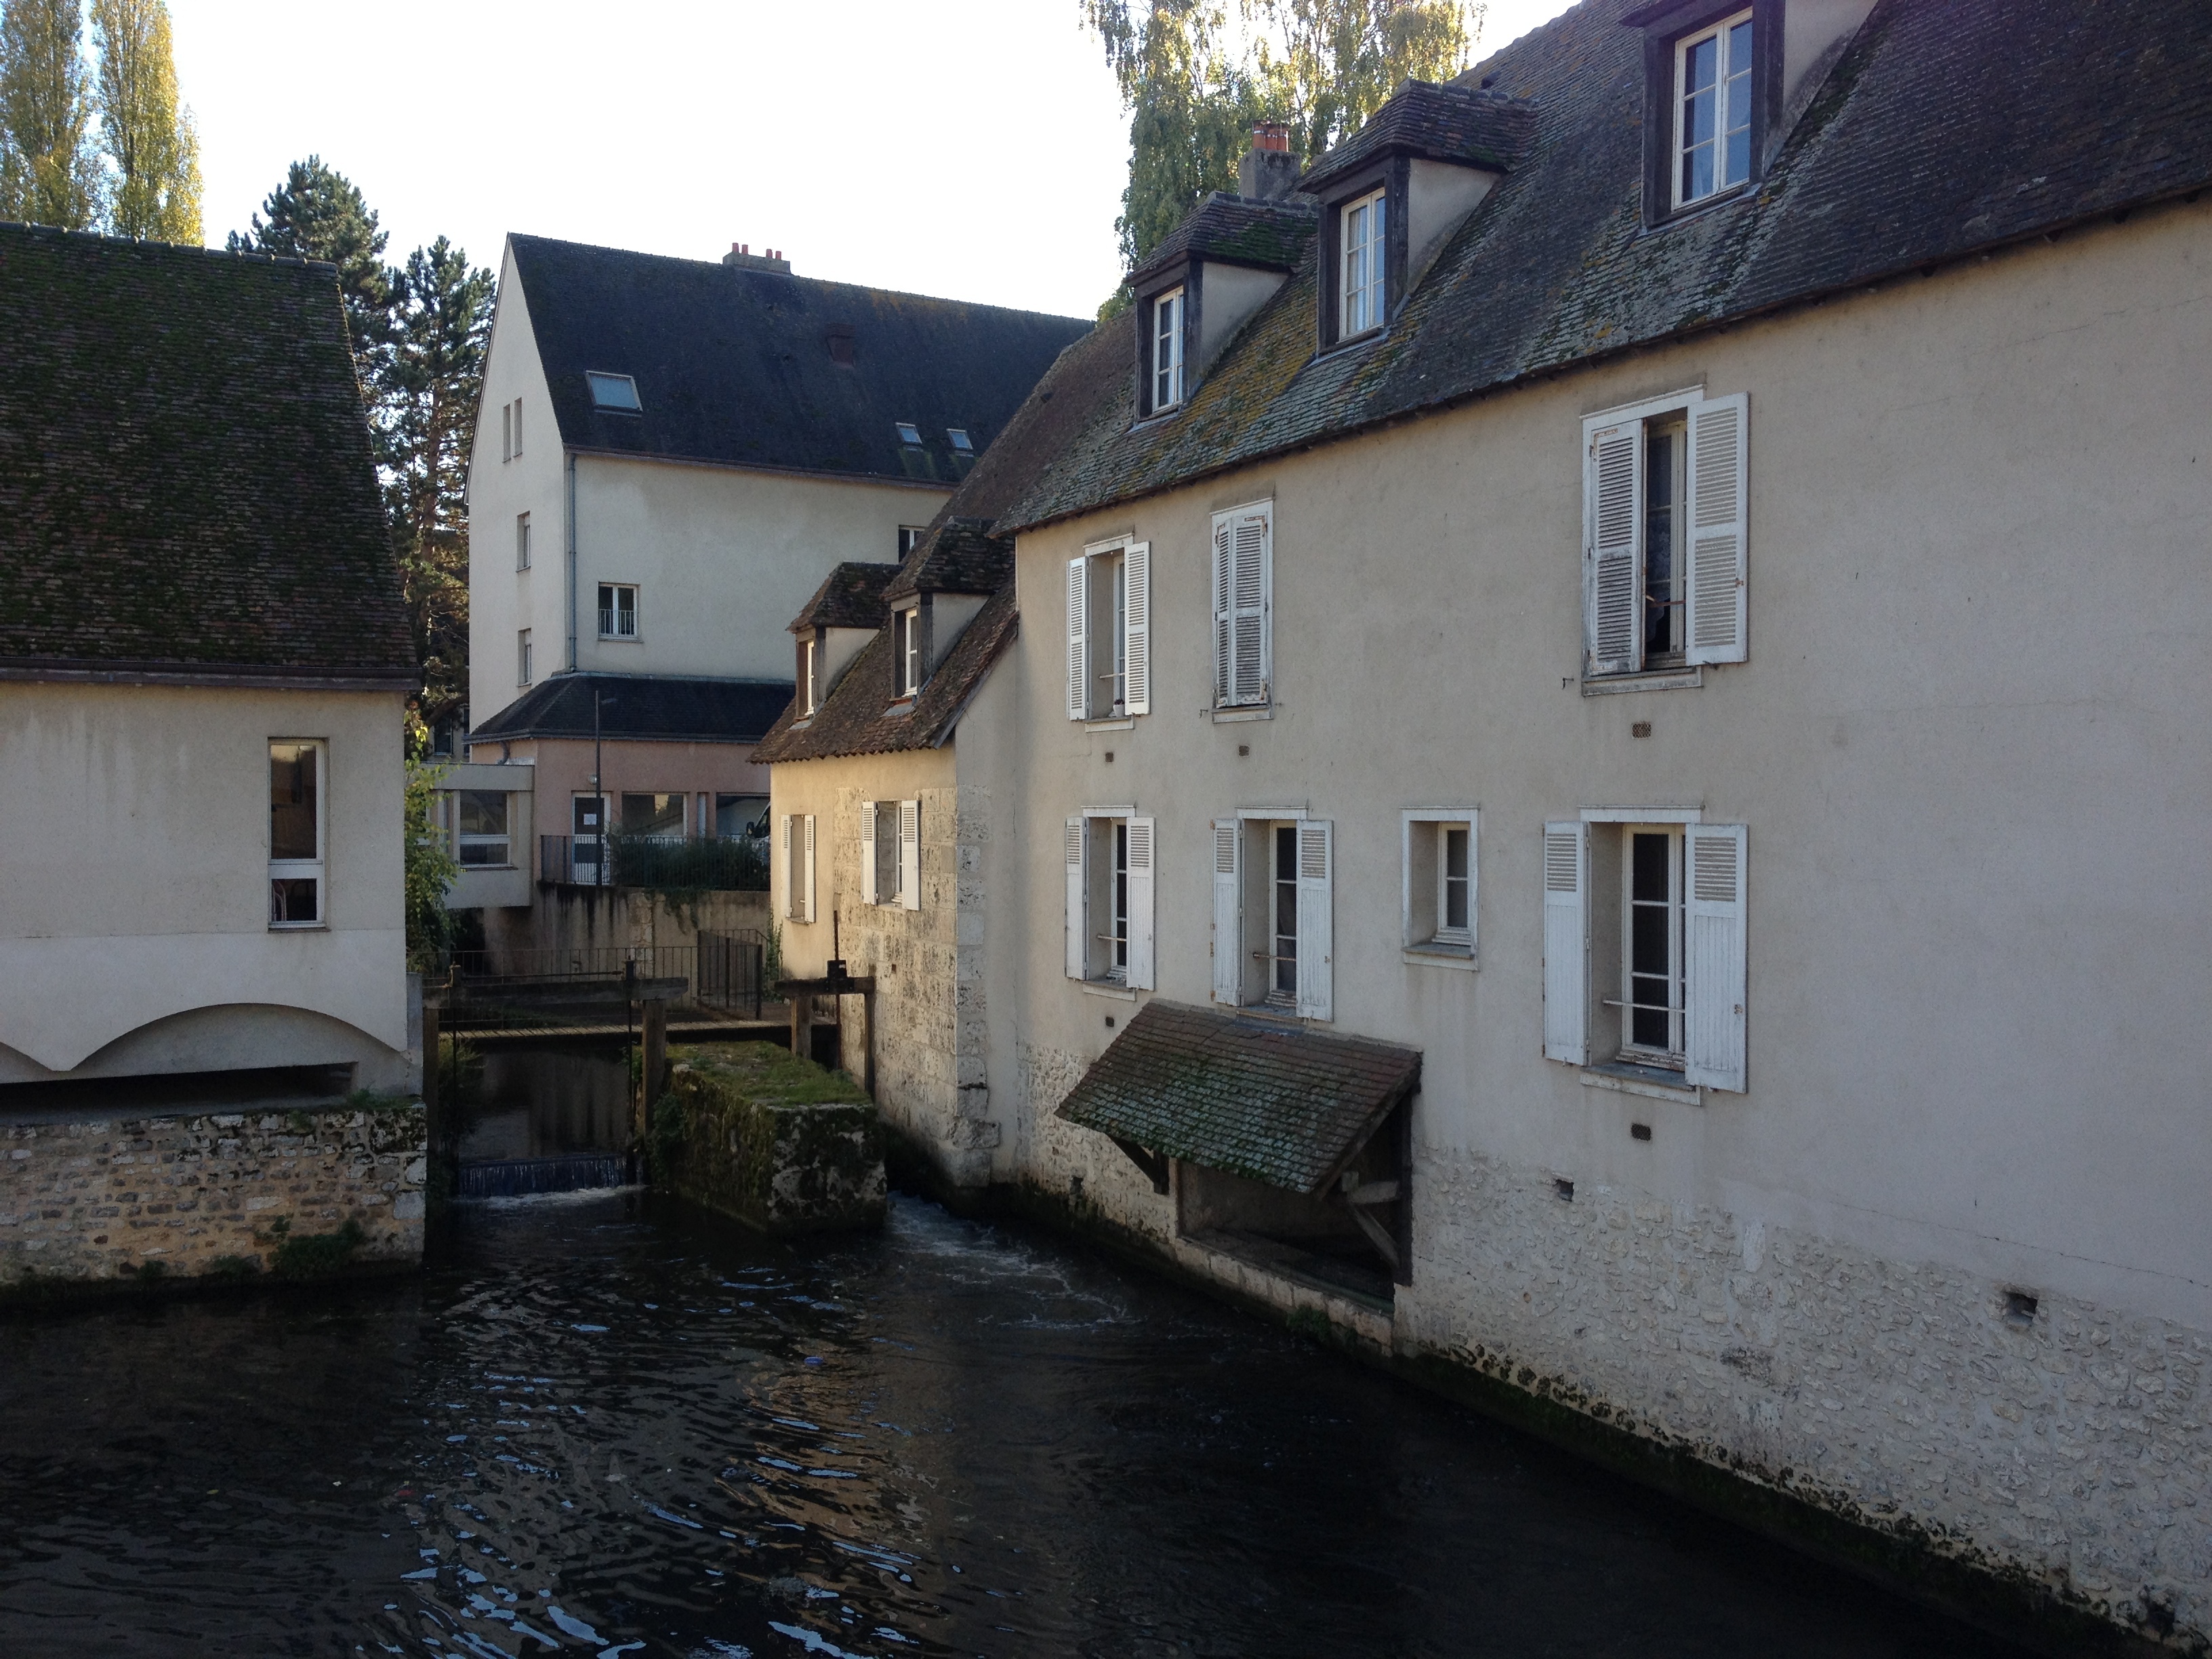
(1272, 135)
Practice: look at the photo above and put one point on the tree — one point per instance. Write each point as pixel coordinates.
(427, 384)
(428, 867)
(1330, 64)
(317, 213)
(49, 171)
(148, 131)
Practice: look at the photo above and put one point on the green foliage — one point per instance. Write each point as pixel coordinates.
(50, 172)
(311, 1256)
(429, 868)
(149, 135)
(317, 213)
(681, 870)
(233, 1268)
(772, 958)
(1327, 65)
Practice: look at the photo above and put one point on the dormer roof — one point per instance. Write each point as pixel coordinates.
(852, 596)
(959, 555)
(1234, 230)
(1435, 123)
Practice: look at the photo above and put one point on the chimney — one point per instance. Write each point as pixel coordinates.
(742, 257)
(1267, 172)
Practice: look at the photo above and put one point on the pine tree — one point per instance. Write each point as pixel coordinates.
(427, 384)
(148, 131)
(49, 171)
(317, 213)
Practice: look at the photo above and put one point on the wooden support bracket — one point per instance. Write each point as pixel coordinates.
(1150, 1162)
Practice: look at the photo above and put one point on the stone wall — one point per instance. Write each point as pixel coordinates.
(219, 1194)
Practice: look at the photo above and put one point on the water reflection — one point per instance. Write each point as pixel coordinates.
(543, 1101)
(609, 1426)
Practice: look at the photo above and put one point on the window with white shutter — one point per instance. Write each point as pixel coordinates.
(909, 854)
(1228, 911)
(1713, 1038)
(1316, 948)
(1138, 835)
(806, 870)
(1137, 627)
(1078, 918)
(868, 852)
(1718, 481)
(1109, 649)
(1078, 660)
(1567, 942)
(1243, 577)
(787, 887)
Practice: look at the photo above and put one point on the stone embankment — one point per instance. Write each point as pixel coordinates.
(780, 1143)
(213, 1196)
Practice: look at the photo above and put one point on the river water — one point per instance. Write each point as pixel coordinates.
(606, 1423)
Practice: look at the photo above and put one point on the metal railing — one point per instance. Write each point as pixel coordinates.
(730, 971)
(586, 965)
(732, 865)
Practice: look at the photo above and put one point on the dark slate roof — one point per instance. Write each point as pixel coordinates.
(734, 366)
(959, 556)
(1943, 130)
(1237, 231)
(659, 705)
(1251, 1097)
(851, 596)
(1453, 122)
(186, 487)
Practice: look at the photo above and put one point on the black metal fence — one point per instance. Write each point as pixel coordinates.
(729, 970)
(737, 865)
(588, 966)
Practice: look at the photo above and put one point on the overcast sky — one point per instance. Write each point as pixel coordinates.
(974, 149)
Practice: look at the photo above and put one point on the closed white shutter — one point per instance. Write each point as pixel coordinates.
(1251, 668)
(1228, 914)
(1612, 540)
(1714, 956)
(868, 852)
(1316, 874)
(1137, 627)
(910, 855)
(806, 890)
(1141, 860)
(1720, 490)
(518, 427)
(783, 870)
(1567, 942)
(1079, 660)
(1079, 936)
(1225, 563)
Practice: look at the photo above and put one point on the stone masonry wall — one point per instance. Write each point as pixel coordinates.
(92, 1201)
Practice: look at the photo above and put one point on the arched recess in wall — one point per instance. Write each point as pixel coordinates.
(225, 1037)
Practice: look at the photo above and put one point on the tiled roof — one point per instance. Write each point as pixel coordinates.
(735, 365)
(186, 487)
(1452, 123)
(1269, 1102)
(1237, 231)
(659, 705)
(851, 596)
(1943, 128)
(959, 556)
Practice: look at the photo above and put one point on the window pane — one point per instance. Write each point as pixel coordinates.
(610, 392)
(1286, 979)
(293, 899)
(486, 852)
(292, 801)
(652, 815)
(1456, 883)
(740, 815)
(1659, 540)
(484, 813)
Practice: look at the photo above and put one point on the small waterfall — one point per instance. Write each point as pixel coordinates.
(574, 1172)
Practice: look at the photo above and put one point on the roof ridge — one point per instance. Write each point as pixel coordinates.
(33, 228)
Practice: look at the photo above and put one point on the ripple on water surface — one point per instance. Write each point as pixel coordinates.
(608, 1426)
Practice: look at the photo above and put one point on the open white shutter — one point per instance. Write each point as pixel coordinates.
(1079, 658)
(1714, 955)
(1720, 487)
(1137, 627)
(1141, 860)
(1250, 669)
(806, 891)
(1613, 542)
(1223, 610)
(1227, 913)
(1316, 948)
(783, 872)
(867, 852)
(1567, 942)
(1078, 938)
(909, 854)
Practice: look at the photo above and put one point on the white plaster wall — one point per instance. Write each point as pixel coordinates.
(137, 824)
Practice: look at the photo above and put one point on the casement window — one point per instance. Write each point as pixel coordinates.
(807, 693)
(740, 817)
(480, 834)
(963, 444)
(1111, 859)
(659, 818)
(1243, 586)
(890, 852)
(615, 394)
(1167, 350)
(617, 610)
(522, 541)
(510, 430)
(522, 657)
(1665, 542)
(1712, 110)
(1644, 945)
(906, 650)
(295, 833)
(1363, 266)
(909, 538)
(1110, 631)
(1436, 899)
(795, 867)
(1273, 913)
(909, 434)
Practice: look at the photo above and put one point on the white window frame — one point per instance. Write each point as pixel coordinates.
(1130, 842)
(795, 849)
(522, 541)
(506, 433)
(518, 429)
(1726, 74)
(906, 641)
(1233, 607)
(1233, 925)
(522, 656)
(1166, 356)
(313, 869)
(1423, 937)
(806, 695)
(1363, 264)
(463, 841)
(1126, 645)
(910, 536)
(1670, 1055)
(610, 616)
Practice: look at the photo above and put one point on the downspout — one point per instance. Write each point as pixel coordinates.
(570, 456)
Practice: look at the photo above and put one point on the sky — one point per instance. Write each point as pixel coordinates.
(976, 150)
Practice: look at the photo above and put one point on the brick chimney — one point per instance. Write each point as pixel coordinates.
(1267, 172)
(742, 256)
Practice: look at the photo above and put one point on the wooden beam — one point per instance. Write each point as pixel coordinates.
(1150, 1162)
(1374, 1192)
(1381, 1240)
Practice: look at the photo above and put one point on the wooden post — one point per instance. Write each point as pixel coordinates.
(868, 1043)
(656, 1058)
(802, 1031)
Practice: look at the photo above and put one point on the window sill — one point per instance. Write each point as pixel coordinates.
(1103, 988)
(1123, 723)
(618, 639)
(1433, 954)
(1624, 1078)
(299, 928)
(1230, 716)
(1664, 679)
(899, 710)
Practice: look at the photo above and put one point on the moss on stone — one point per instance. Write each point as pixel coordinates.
(778, 1142)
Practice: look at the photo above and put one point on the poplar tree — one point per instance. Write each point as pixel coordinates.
(49, 171)
(149, 132)
(317, 213)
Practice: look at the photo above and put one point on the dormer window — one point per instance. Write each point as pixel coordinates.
(1712, 110)
(906, 646)
(807, 679)
(1366, 265)
(614, 392)
(1167, 350)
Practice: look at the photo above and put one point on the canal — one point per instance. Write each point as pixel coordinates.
(605, 1424)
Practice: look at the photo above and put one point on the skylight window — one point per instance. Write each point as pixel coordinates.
(615, 391)
(909, 433)
(960, 442)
